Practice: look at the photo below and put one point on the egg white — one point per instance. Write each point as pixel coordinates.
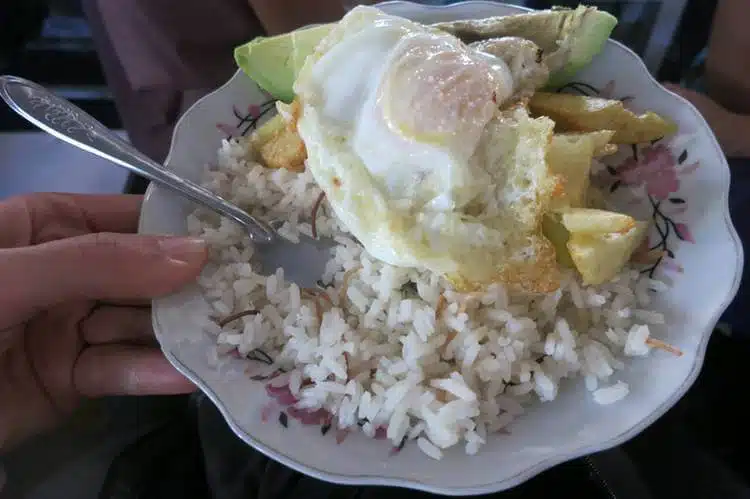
(404, 134)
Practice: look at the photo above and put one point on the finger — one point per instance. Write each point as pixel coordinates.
(100, 213)
(104, 370)
(114, 213)
(118, 325)
(101, 266)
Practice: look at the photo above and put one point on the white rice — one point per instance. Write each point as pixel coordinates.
(428, 448)
(611, 394)
(382, 356)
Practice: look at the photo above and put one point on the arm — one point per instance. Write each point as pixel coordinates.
(728, 66)
(280, 16)
(731, 129)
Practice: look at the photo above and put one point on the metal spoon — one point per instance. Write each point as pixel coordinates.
(302, 262)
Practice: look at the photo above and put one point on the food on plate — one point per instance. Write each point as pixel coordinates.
(600, 256)
(524, 60)
(559, 236)
(473, 270)
(571, 156)
(278, 144)
(580, 113)
(569, 38)
(404, 136)
(273, 62)
(266, 132)
(586, 221)
(596, 243)
(564, 39)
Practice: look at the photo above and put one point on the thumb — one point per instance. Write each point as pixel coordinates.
(100, 266)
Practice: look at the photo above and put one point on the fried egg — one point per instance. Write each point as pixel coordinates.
(405, 133)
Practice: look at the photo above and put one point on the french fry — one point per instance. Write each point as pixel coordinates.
(589, 221)
(579, 113)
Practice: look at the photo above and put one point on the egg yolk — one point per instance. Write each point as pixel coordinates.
(438, 92)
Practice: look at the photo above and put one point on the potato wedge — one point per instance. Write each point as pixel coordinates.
(284, 150)
(599, 257)
(578, 113)
(570, 155)
(596, 243)
(277, 142)
(596, 222)
(602, 140)
(606, 150)
(267, 131)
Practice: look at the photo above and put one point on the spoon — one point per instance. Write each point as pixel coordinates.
(302, 262)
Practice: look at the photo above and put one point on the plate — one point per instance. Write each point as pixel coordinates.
(684, 184)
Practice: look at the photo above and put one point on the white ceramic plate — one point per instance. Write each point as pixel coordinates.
(687, 179)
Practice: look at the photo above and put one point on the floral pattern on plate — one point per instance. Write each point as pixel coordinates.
(649, 175)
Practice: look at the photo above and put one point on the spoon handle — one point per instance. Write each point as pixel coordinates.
(62, 119)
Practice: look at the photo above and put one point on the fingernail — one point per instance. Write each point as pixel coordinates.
(183, 249)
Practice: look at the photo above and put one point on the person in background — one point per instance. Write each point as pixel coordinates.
(721, 92)
(732, 128)
(159, 57)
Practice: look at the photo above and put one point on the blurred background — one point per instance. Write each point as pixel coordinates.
(51, 42)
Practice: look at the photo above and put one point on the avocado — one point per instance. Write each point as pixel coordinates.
(273, 62)
(569, 38)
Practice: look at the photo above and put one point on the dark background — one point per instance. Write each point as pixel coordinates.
(49, 42)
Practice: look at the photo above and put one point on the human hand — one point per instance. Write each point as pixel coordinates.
(74, 316)
(732, 130)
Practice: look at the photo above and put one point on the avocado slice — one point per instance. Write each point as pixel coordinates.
(569, 38)
(273, 62)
